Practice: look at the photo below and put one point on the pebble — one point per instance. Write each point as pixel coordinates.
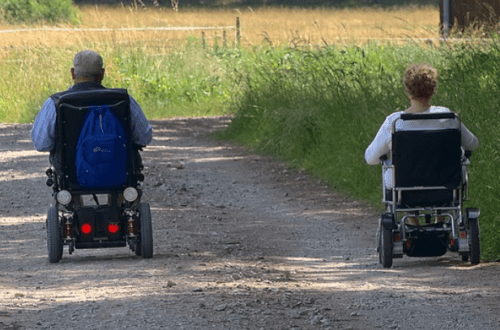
(220, 308)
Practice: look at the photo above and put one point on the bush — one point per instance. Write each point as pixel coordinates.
(29, 11)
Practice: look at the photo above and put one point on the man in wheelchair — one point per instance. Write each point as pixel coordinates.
(94, 135)
(424, 181)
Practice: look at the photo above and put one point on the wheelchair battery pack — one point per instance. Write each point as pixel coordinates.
(99, 227)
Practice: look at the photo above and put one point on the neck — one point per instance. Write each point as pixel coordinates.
(81, 80)
(418, 105)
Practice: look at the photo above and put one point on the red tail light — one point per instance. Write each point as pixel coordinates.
(113, 228)
(86, 228)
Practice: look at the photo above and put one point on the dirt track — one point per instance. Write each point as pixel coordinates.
(241, 242)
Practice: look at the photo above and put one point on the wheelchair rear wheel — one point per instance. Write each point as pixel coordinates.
(54, 239)
(145, 247)
(475, 252)
(385, 247)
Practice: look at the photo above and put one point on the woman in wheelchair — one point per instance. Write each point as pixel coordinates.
(420, 82)
(421, 130)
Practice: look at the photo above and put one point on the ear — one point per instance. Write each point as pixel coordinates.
(101, 76)
(73, 73)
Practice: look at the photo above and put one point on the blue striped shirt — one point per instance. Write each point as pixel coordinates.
(43, 132)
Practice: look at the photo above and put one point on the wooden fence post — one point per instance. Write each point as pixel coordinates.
(224, 39)
(203, 43)
(238, 32)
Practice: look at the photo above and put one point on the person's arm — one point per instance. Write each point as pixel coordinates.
(469, 140)
(142, 132)
(43, 132)
(380, 145)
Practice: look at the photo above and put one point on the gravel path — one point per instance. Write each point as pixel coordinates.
(241, 242)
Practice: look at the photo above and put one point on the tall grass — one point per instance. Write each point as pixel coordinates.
(166, 83)
(320, 110)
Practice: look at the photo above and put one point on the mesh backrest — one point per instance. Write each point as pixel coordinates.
(427, 158)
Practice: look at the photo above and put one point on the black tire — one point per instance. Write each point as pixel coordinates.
(137, 247)
(475, 251)
(386, 247)
(54, 239)
(465, 257)
(146, 234)
(379, 244)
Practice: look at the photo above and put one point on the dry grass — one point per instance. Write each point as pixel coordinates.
(275, 26)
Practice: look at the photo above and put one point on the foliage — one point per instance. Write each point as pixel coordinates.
(320, 109)
(37, 10)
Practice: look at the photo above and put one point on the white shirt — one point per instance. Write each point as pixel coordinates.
(382, 143)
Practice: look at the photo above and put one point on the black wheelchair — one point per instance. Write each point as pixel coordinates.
(424, 216)
(105, 217)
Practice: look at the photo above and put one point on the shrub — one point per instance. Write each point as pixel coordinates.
(29, 11)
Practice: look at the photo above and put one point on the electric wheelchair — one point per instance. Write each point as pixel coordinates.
(429, 185)
(83, 217)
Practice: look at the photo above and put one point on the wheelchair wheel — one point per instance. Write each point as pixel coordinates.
(475, 252)
(386, 247)
(145, 246)
(54, 239)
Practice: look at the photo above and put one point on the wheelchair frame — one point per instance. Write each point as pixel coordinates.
(124, 220)
(457, 233)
